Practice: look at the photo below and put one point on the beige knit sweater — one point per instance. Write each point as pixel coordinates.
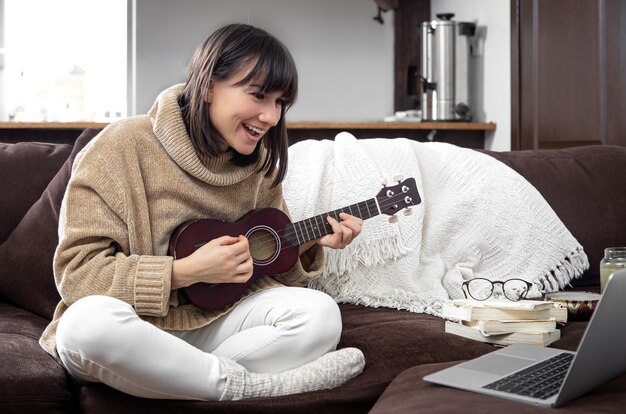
(131, 187)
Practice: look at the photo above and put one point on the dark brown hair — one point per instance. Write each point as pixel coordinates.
(223, 54)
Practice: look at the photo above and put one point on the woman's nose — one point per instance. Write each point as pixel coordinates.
(270, 114)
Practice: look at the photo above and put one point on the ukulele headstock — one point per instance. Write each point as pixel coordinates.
(392, 199)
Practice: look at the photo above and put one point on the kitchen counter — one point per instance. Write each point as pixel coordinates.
(466, 134)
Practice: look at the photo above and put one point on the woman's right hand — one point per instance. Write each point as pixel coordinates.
(223, 260)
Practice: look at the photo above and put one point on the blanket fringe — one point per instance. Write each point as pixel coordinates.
(394, 299)
(570, 267)
(373, 252)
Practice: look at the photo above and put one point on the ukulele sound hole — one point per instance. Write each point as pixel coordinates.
(264, 245)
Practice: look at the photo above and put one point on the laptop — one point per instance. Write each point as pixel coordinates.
(601, 356)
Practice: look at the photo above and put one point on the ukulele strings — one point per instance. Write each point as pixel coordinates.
(267, 239)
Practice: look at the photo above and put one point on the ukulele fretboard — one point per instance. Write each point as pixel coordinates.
(303, 231)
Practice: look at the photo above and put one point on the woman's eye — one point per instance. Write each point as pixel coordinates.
(258, 95)
(280, 101)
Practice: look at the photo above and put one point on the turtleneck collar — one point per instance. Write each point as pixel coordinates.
(169, 127)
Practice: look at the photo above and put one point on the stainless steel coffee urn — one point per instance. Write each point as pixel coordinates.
(438, 69)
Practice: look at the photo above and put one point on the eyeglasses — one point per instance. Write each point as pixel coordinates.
(482, 289)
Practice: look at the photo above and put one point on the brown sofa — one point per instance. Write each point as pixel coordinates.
(586, 186)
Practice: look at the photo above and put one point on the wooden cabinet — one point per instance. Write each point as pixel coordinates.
(568, 73)
(53, 132)
(408, 17)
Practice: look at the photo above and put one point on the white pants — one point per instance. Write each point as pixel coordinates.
(101, 339)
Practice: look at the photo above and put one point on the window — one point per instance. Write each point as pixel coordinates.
(63, 60)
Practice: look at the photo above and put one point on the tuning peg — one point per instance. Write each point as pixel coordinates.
(398, 178)
(408, 212)
(384, 182)
(393, 219)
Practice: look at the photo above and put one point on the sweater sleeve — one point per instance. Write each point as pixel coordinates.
(99, 251)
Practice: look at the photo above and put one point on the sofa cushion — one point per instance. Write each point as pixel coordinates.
(391, 340)
(584, 186)
(26, 277)
(25, 170)
(31, 381)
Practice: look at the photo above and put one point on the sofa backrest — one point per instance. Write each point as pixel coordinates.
(586, 187)
(26, 276)
(26, 168)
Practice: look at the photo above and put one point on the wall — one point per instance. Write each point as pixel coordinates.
(492, 97)
(344, 58)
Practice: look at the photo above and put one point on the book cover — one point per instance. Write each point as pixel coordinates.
(524, 304)
(540, 339)
(473, 313)
(488, 328)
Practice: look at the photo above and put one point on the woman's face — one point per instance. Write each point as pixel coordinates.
(242, 114)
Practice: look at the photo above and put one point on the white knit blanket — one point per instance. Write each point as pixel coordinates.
(478, 218)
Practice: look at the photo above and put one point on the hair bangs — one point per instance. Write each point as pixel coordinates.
(274, 71)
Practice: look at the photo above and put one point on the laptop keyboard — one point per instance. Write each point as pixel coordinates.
(541, 380)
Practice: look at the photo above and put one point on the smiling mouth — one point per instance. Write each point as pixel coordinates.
(255, 132)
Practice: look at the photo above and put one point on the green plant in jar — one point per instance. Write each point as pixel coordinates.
(614, 260)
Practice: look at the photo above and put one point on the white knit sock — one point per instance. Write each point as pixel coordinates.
(328, 371)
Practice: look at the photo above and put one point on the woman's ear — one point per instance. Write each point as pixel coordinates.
(207, 92)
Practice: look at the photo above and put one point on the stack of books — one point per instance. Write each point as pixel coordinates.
(504, 322)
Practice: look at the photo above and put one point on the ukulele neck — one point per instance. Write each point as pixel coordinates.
(303, 231)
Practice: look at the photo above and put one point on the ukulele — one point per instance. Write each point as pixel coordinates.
(274, 240)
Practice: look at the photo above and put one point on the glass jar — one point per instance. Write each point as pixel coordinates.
(614, 260)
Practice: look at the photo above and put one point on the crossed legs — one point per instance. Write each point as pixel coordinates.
(276, 342)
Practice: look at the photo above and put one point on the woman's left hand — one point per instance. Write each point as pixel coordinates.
(344, 231)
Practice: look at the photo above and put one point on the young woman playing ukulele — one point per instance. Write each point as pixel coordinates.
(214, 147)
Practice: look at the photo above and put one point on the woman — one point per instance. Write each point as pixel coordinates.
(207, 149)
